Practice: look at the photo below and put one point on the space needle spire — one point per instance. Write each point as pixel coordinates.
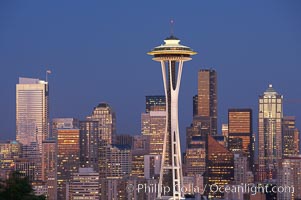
(171, 55)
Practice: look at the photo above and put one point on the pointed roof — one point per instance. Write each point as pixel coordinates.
(214, 147)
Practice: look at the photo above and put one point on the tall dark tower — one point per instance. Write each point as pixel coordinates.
(207, 99)
(171, 55)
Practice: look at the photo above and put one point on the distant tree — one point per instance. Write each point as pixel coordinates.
(18, 188)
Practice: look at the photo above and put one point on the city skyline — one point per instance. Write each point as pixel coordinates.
(274, 35)
(93, 118)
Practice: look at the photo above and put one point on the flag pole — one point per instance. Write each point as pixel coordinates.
(47, 72)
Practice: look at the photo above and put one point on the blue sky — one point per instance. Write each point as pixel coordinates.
(97, 52)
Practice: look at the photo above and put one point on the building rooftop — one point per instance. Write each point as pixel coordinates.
(23, 80)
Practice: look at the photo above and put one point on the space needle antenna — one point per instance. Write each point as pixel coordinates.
(171, 27)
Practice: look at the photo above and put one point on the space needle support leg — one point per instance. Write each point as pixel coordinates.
(175, 140)
(165, 133)
(178, 148)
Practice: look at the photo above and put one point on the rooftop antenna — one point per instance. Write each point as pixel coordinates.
(172, 27)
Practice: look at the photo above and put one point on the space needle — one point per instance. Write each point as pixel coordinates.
(171, 55)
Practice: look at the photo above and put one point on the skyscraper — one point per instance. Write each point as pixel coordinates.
(242, 174)
(62, 123)
(89, 143)
(31, 111)
(153, 125)
(155, 103)
(152, 164)
(140, 148)
(104, 113)
(115, 162)
(270, 133)
(290, 135)
(10, 151)
(219, 166)
(49, 165)
(289, 175)
(240, 132)
(195, 157)
(171, 55)
(67, 159)
(207, 98)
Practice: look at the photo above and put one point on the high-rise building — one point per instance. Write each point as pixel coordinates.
(140, 148)
(289, 177)
(68, 153)
(32, 153)
(104, 113)
(219, 166)
(32, 118)
(89, 143)
(194, 186)
(32, 111)
(115, 162)
(195, 157)
(85, 185)
(152, 165)
(290, 135)
(153, 125)
(49, 165)
(155, 103)
(26, 168)
(269, 133)
(134, 182)
(171, 55)
(240, 133)
(242, 173)
(62, 123)
(194, 130)
(207, 98)
(10, 151)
